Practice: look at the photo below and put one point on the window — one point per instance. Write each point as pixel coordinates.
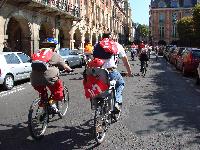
(161, 31)
(161, 18)
(174, 31)
(24, 57)
(161, 4)
(187, 3)
(12, 59)
(174, 4)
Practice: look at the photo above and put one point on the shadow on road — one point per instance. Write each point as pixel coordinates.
(176, 98)
(17, 137)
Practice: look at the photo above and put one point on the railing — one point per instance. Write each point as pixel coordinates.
(62, 5)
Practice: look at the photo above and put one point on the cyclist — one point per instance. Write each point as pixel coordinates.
(143, 57)
(40, 79)
(111, 64)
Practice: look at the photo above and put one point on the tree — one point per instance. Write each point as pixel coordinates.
(142, 32)
(185, 28)
(196, 19)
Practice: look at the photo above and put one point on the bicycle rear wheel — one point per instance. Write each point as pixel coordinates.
(64, 104)
(37, 120)
(115, 113)
(100, 124)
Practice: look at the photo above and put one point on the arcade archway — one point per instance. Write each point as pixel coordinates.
(19, 34)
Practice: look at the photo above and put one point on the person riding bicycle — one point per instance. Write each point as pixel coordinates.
(143, 57)
(48, 77)
(110, 63)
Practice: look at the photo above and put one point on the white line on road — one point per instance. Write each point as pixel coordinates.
(14, 90)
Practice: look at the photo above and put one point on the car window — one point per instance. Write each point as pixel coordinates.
(64, 52)
(24, 57)
(196, 53)
(12, 59)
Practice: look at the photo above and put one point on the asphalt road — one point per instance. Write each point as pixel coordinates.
(160, 111)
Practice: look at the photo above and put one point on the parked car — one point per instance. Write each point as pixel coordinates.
(14, 66)
(175, 54)
(70, 57)
(198, 75)
(189, 61)
(166, 51)
(169, 53)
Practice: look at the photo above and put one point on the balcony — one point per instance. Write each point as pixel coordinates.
(54, 7)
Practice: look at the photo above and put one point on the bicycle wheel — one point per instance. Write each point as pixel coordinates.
(37, 120)
(100, 124)
(64, 104)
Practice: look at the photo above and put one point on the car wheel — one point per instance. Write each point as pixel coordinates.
(8, 82)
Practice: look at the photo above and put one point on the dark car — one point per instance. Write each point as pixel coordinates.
(189, 61)
(70, 57)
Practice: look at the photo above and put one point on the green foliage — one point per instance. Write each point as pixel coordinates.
(185, 28)
(143, 30)
(196, 19)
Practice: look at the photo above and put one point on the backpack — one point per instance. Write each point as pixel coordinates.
(40, 60)
(105, 49)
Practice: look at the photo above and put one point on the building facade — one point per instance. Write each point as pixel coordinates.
(164, 15)
(24, 24)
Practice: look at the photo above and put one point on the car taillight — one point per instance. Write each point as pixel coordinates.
(0, 72)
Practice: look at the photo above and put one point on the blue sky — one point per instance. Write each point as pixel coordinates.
(140, 11)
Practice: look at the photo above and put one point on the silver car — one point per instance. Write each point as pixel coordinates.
(14, 66)
(198, 74)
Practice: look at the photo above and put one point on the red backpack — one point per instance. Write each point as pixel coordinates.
(105, 49)
(40, 60)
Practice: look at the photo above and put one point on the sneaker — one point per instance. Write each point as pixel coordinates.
(118, 107)
(53, 106)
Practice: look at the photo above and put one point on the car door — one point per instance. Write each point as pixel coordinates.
(25, 59)
(75, 59)
(14, 65)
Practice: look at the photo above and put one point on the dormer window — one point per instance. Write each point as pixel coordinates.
(174, 4)
(161, 4)
(187, 3)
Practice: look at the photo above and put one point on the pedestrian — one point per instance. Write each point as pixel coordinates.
(6, 48)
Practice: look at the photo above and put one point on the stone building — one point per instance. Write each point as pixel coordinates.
(164, 15)
(24, 24)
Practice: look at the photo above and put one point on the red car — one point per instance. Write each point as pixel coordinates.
(189, 61)
(176, 54)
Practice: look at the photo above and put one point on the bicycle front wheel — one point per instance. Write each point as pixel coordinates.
(64, 104)
(37, 120)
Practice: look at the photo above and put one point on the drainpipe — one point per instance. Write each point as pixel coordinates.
(2, 3)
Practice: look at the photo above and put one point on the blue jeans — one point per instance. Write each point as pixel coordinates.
(115, 75)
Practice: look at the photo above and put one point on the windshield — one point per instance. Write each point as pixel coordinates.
(64, 52)
(196, 53)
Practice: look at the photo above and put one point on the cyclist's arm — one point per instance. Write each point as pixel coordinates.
(61, 63)
(127, 65)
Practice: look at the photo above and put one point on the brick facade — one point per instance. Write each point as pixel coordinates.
(164, 16)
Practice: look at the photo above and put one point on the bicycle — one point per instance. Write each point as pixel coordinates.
(144, 68)
(41, 115)
(103, 105)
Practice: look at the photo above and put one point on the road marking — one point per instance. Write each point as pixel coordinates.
(14, 90)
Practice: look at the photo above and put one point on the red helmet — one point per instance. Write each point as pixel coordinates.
(96, 62)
